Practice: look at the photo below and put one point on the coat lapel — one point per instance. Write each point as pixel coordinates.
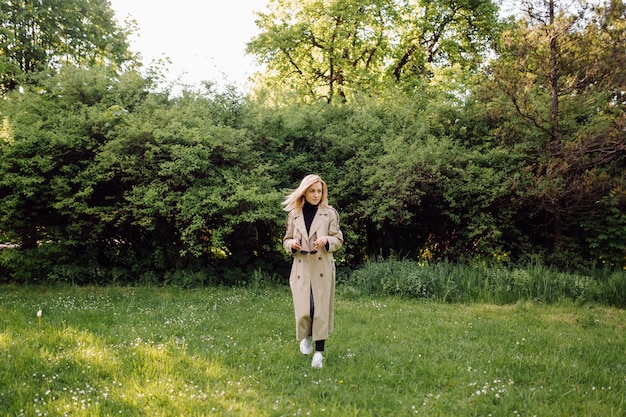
(321, 218)
(300, 226)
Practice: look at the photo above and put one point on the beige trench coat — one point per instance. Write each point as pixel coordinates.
(313, 272)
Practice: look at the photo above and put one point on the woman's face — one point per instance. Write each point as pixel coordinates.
(313, 194)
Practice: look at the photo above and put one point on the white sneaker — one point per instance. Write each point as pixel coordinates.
(305, 346)
(317, 360)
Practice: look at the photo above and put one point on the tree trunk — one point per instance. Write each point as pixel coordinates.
(554, 78)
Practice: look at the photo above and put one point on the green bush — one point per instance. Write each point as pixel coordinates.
(30, 266)
(445, 281)
(615, 292)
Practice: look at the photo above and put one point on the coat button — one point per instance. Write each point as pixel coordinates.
(322, 275)
(298, 276)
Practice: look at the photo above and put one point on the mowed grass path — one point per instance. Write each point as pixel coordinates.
(231, 352)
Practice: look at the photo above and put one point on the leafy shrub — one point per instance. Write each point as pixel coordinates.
(30, 266)
(76, 274)
(185, 278)
(405, 278)
(471, 282)
(615, 291)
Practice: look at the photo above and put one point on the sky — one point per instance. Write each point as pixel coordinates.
(205, 40)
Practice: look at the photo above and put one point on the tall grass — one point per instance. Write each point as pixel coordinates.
(480, 283)
(231, 352)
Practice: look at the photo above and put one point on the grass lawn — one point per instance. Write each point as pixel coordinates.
(231, 352)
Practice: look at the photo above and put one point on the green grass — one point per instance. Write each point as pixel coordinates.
(231, 352)
(486, 283)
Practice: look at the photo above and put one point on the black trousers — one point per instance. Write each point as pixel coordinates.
(319, 344)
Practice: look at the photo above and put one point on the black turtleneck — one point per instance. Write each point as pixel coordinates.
(308, 210)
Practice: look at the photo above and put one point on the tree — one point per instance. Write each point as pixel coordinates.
(331, 49)
(323, 48)
(45, 34)
(564, 100)
(435, 34)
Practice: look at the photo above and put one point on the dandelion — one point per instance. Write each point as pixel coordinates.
(39, 313)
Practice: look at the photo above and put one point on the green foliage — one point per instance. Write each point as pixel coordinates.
(46, 34)
(444, 281)
(402, 278)
(615, 288)
(334, 50)
(606, 232)
(113, 176)
(546, 70)
(429, 154)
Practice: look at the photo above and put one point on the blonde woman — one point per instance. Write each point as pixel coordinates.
(311, 237)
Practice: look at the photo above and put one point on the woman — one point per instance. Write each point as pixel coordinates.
(312, 236)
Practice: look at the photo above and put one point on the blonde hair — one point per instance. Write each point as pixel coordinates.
(296, 199)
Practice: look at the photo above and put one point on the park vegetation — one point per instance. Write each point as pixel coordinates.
(448, 134)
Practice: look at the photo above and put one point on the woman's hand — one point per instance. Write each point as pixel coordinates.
(296, 245)
(321, 242)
